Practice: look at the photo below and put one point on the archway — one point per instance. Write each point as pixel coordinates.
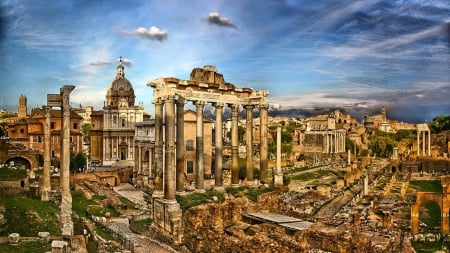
(19, 162)
(430, 215)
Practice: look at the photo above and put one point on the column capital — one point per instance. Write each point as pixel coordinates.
(199, 103)
(219, 104)
(66, 89)
(180, 101)
(264, 106)
(249, 107)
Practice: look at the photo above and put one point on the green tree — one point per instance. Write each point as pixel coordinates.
(86, 130)
(440, 123)
(3, 131)
(77, 160)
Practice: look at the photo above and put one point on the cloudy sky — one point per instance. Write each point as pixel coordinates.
(309, 54)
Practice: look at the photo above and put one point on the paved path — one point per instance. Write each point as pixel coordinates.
(332, 208)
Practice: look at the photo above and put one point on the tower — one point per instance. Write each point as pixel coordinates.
(22, 110)
(383, 114)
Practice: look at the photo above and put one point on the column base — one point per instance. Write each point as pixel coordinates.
(278, 180)
(167, 220)
(219, 188)
(200, 190)
(182, 193)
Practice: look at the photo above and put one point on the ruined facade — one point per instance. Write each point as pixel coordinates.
(322, 135)
(205, 85)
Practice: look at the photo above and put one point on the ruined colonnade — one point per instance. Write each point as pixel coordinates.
(423, 129)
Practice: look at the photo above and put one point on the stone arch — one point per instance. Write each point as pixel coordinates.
(20, 160)
(423, 197)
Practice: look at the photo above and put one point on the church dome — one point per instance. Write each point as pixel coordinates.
(120, 89)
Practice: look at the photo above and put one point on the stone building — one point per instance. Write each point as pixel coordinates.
(29, 131)
(321, 135)
(120, 114)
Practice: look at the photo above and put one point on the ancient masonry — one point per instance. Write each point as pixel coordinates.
(61, 100)
(206, 85)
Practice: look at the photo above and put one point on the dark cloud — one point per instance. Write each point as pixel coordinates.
(214, 18)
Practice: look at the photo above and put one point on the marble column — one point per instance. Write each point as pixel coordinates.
(66, 197)
(158, 176)
(423, 143)
(199, 162)
(234, 145)
(218, 181)
(278, 175)
(169, 169)
(180, 145)
(249, 143)
(429, 143)
(46, 187)
(418, 142)
(264, 115)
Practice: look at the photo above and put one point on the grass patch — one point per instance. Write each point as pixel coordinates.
(433, 217)
(251, 193)
(103, 233)
(425, 247)
(80, 205)
(140, 226)
(426, 185)
(10, 174)
(313, 175)
(29, 216)
(26, 247)
(196, 199)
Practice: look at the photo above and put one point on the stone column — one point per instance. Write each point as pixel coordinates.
(249, 143)
(199, 162)
(349, 157)
(423, 143)
(429, 143)
(158, 176)
(234, 145)
(263, 110)
(418, 142)
(219, 141)
(180, 145)
(278, 177)
(66, 197)
(46, 187)
(169, 170)
(328, 143)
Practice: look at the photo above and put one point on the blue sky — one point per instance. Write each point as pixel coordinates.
(350, 54)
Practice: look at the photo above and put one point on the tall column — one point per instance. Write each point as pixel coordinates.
(158, 177)
(263, 111)
(423, 143)
(249, 143)
(66, 197)
(328, 143)
(278, 175)
(219, 141)
(169, 170)
(429, 143)
(418, 142)
(180, 145)
(200, 165)
(46, 187)
(234, 145)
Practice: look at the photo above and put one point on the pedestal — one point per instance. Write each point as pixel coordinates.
(278, 180)
(167, 219)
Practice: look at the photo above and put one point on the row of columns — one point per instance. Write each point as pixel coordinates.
(335, 142)
(425, 141)
(165, 156)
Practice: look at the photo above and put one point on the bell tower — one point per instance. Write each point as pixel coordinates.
(22, 110)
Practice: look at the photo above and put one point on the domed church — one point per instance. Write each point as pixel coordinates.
(120, 115)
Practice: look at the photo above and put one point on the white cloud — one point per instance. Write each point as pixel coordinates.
(153, 33)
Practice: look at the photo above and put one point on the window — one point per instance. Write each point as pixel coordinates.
(75, 126)
(123, 122)
(190, 167)
(52, 125)
(39, 139)
(22, 131)
(189, 145)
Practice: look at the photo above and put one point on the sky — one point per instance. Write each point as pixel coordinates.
(350, 54)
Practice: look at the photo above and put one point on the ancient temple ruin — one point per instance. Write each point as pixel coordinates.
(205, 86)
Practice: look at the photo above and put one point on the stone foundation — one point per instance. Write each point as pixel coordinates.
(167, 219)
